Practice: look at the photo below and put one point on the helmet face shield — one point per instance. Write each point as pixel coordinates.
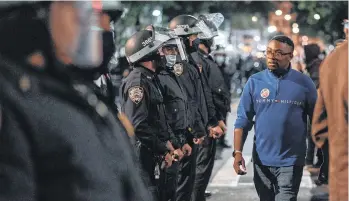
(173, 53)
(205, 31)
(160, 37)
(149, 45)
(212, 21)
(177, 42)
(183, 30)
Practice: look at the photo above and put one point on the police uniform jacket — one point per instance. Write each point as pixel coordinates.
(198, 60)
(58, 141)
(143, 103)
(189, 78)
(220, 92)
(176, 105)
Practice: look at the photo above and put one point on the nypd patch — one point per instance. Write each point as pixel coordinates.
(136, 94)
(178, 69)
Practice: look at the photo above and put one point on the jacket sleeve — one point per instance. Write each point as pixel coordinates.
(16, 164)
(319, 123)
(220, 92)
(212, 119)
(175, 138)
(198, 129)
(199, 61)
(245, 111)
(138, 112)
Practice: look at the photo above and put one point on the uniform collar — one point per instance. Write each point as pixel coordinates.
(148, 73)
(164, 72)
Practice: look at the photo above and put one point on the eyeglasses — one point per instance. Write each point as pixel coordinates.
(276, 53)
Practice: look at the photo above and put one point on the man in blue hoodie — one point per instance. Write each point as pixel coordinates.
(280, 99)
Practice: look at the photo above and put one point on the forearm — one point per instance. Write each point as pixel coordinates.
(239, 139)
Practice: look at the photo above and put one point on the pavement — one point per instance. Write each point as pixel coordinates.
(226, 185)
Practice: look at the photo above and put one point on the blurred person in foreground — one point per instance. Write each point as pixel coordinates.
(59, 141)
(330, 119)
(281, 99)
(99, 78)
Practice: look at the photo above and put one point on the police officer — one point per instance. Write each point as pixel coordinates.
(58, 140)
(189, 28)
(176, 105)
(143, 103)
(217, 108)
(189, 77)
(220, 91)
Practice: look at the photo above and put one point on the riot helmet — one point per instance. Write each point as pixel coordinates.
(146, 45)
(212, 21)
(186, 25)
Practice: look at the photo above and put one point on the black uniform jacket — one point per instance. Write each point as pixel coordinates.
(142, 102)
(58, 141)
(189, 77)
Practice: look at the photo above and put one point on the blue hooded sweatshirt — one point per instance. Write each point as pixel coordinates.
(280, 107)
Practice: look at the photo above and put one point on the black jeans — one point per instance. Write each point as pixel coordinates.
(277, 183)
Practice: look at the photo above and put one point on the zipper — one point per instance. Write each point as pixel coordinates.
(278, 85)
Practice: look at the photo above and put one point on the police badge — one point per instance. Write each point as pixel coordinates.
(178, 69)
(136, 94)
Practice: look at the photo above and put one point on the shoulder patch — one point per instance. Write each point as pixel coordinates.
(136, 94)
